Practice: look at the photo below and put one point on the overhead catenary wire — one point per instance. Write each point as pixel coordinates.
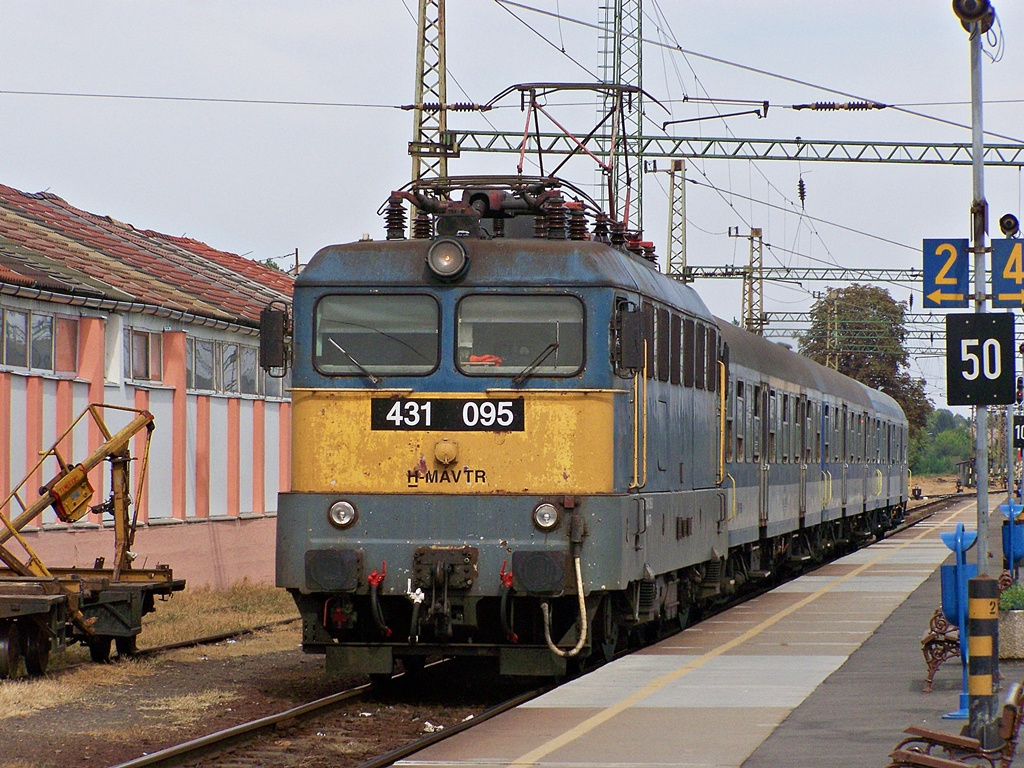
(756, 70)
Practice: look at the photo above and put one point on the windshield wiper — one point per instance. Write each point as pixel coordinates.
(375, 379)
(544, 355)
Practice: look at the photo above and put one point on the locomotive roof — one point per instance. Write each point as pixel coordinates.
(771, 359)
(499, 262)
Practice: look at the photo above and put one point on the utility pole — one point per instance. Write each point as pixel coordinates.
(977, 17)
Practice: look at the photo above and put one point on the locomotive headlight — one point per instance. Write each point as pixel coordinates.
(545, 517)
(447, 259)
(342, 514)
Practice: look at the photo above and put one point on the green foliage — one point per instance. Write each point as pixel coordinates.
(861, 331)
(1012, 598)
(271, 262)
(945, 441)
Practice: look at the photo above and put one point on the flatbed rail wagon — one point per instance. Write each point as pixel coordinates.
(45, 609)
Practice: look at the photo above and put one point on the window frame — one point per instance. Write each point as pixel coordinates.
(356, 374)
(537, 374)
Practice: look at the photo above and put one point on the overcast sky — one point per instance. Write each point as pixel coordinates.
(264, 179)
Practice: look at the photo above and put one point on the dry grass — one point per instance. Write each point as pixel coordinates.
(204, 611)
(188, 708)
(20, 697)
(272, 640)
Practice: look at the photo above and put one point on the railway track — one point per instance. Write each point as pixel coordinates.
(270, 742)
(280, 740)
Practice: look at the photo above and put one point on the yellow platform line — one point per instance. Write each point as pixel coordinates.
(534, 756)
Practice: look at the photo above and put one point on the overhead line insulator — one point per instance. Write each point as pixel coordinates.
(850, 106)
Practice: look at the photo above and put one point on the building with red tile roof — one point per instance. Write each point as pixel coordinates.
(93, 310)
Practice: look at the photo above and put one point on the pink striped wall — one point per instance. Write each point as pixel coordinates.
(251, 436)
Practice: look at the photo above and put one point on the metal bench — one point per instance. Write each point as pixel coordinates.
(942, 640)
(939, 643)
(922, 745)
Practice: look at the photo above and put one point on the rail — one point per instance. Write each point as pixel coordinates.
(235, 737)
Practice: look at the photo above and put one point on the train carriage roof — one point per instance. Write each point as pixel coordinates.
(771, 359)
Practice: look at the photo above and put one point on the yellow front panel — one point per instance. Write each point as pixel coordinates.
(565, 447)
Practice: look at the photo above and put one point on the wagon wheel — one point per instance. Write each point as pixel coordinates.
(10, 651)
(99, 648)
(126, 646)
(36, 644)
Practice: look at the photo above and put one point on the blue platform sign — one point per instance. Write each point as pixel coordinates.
(1007, 273)
(946, 282)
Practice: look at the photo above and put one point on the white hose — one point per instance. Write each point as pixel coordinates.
(583, 619)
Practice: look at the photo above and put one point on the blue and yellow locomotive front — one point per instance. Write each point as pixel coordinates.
(455, 467)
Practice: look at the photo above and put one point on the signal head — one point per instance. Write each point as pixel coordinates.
(971, 11)
(1009, 224)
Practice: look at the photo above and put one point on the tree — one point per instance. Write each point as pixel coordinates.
(945, 442)
(861, 331)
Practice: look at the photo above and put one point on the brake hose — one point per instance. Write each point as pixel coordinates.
(544, 609)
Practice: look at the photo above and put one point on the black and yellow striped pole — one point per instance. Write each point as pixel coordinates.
(983, 660)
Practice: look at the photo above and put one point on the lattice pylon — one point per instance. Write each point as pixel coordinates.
(677, 221)
(622, 64)
(430, 121)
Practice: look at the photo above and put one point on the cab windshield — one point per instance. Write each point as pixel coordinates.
(520, 335)
(381, 334)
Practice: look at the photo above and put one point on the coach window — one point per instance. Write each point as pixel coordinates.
(741, 421)
(755, 425)
(507, 335)
(647, 310)
(663, 339)
(675, 350)
(787, 437)
(826, 432)
(688, 345)
(712, 359)
(730, 423)
(383, 334)
(699, 371)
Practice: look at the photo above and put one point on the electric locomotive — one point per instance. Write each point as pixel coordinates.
(514, 438)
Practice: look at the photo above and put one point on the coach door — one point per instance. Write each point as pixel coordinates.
(763, 428)
(800, 425)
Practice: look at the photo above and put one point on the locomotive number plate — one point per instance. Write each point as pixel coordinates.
(448, 414)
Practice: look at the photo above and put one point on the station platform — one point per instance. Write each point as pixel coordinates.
(826, 670)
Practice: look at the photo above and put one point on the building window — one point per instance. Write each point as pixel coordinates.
(248, 378)
(218, 366)
(16, 338)
(143, 352)
(39, 341)
(202, 377)
(42, 342)
(229, 367)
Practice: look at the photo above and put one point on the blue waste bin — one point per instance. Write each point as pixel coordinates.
(1018, 507)
(950, 598)
(1018, 543)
